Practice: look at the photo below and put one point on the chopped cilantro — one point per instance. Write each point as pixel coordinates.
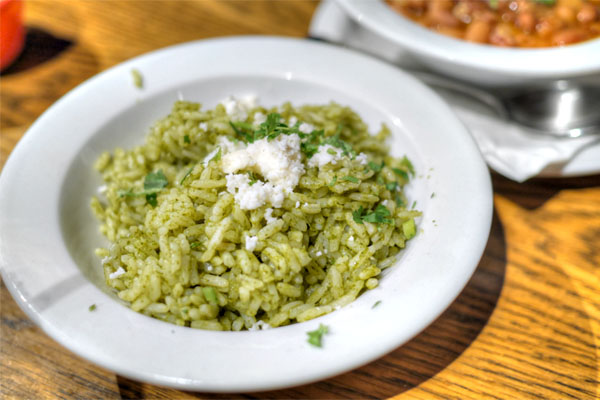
(210, 295)
(151, 199)
(154, 182)
(378, 302)
(405, 162)
(346, 148)
(253, 178)
(376, 167)
(414, 204)
(378, 216)
(315, 337)
(273, 127)
(332, 152)
(138, 79)
(546, 2)
(270, 129)
(401, 173)
(400, 201)
(333, 181)
(193, 245)
(432, 195)
(493, 4)
(186, 139)
(391, 186)
(351, 179)
(92, 307)
(357, 215)
(185, 176)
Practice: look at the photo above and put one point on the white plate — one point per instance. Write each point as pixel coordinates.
(47, 232)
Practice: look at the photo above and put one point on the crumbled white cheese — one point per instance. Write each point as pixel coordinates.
(259, 118)
(120, 271)
(318, 253)
(210, 156)
(203, 126)
(305, 127)
(251, 242)
(268, 216)
(229, 146)
(324, 156)
(362, 158)
(238, 109)
(351, 239)
(250, 197)
(259, 326)
(209, 267)
(297, 204)
(279, 161)
(292, 121)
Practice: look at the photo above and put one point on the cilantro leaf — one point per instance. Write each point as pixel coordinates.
(400, 201)
(151, 199)
(92, 307)
(376, 167)
(357, 215)
(253, 178)
(193, 245)
(391, 186)
(155, 181)
(346, 148)
(351, 179)
(401, 173)
(270, 129)
(316, 337)
(378, 302)
(333, 181)
(379, 215)
(186, 139)
(405, 162)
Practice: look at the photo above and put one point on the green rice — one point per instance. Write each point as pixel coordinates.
(179, 250)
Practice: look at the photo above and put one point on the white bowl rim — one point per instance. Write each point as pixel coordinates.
(69, 322)
(540, 63)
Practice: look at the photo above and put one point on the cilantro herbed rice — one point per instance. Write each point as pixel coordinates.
(187, 247)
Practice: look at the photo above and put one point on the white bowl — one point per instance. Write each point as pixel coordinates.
(477, 63)
(48, 233)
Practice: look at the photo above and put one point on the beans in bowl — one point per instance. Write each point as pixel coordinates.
(507, 23)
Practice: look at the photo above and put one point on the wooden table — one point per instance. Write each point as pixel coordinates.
(526, 326)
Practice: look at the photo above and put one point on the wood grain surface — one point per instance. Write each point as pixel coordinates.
(527, 325)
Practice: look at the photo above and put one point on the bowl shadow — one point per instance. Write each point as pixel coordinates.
(406, 367)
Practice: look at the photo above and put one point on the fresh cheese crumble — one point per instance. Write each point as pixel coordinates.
(238, 109)
(278, 161)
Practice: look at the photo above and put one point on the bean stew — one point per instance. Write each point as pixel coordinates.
(508, 23)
